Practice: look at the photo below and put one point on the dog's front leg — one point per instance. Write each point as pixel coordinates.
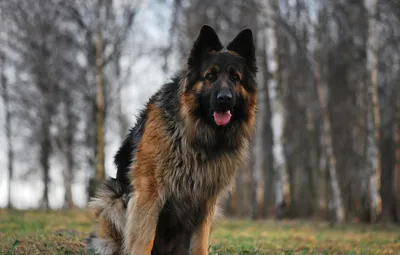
(143, 211)
(200, 238)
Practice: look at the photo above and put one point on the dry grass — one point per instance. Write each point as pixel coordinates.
(62, 232)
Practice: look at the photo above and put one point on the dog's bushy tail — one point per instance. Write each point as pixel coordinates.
(109, 209)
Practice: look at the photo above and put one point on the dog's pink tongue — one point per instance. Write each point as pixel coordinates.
(222, 118)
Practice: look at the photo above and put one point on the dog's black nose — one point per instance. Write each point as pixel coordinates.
(224, 96)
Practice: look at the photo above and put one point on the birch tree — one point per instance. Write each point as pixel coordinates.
(328, 147)
(258, 152)
(5, 86)
(396, 180)
(104, 29)
(373, 117)
(263, 155)
(272, 14)
(262, 143)
(100, 172)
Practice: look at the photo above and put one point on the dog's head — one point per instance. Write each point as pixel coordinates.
(220, 81)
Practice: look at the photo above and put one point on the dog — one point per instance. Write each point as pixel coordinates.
(180, 159)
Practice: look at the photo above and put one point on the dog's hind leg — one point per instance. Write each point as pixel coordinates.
(109, 208)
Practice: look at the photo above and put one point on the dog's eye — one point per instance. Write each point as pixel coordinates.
(234, 77)
(211, 77)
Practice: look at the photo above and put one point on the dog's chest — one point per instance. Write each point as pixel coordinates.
(194, 180)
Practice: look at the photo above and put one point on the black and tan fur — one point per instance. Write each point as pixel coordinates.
(176, 163)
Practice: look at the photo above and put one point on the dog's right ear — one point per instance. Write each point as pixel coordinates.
(206, 42)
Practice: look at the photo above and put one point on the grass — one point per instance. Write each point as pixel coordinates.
(62, 232)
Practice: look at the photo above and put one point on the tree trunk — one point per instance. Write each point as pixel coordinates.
(99, 112)
(268, 136)
(360, 132)
(387, 149)
(274, 80)
(373, 118)
(100, 171)
(313, 169)
(281, 76)
(123, 124)
(251, 191)
(45, 158)
(324, 186)
(372, 164)
(68, 199)
(288, 141)
(232, 203)
(261, 174)
(290, 169)
(258, 154)
(245, 190)
(7, 112)
(396, 183)
(328, 148)
(68, 178)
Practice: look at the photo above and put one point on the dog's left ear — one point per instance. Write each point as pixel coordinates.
(243, 45)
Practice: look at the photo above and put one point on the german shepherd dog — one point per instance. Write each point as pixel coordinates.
(181, 157)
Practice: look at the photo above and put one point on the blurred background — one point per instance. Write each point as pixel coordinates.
(73, 75)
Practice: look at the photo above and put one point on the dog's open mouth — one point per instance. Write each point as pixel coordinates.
(222, 118)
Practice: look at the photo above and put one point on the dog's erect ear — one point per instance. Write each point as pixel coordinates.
(243, 45)
(206, 41)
